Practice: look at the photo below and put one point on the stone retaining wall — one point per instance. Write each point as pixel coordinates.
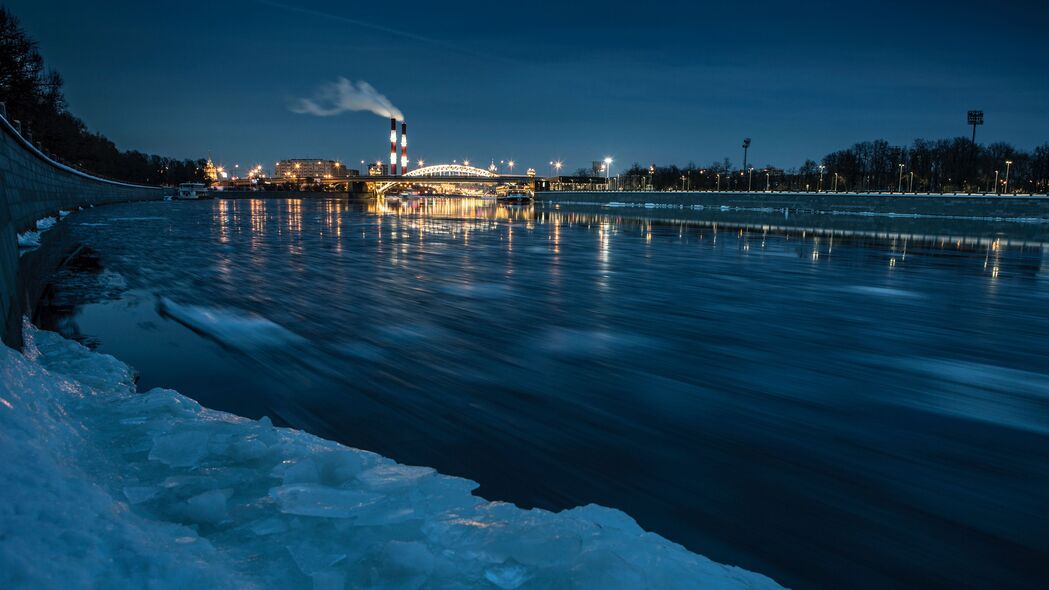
(33, 186)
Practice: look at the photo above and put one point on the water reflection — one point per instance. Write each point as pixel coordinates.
(831, 406)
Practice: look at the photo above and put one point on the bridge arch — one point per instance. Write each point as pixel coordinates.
(451, 170)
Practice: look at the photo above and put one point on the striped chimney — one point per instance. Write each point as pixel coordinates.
(404, 147)
(393, 146)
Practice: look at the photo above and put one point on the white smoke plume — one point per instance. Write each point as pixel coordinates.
(343, 95)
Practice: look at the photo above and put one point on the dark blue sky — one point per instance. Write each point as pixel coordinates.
(664, 82)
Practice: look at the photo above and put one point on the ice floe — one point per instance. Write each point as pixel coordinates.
(106, 487)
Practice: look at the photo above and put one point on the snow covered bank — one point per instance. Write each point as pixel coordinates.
(104, 487)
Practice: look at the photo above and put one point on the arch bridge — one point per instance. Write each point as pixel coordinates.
(445, 174)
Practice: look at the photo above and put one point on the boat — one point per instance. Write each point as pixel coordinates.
(192, 191)
(513, 194)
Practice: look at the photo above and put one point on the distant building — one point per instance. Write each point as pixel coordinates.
(378, 169)
(210, 171)
(575, 183)
(315, 169)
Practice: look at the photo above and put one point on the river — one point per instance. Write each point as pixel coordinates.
(833, 409)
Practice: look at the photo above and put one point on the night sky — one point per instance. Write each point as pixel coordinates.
(664, 82)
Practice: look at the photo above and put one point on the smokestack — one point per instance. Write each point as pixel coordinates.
(393, 146)
(404, 147)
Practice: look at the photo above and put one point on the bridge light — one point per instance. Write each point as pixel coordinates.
(421, 163)
(466, 162)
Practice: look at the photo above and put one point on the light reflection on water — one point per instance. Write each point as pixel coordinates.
(829, 408)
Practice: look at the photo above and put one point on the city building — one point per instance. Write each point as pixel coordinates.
(378, 169)
(574, 183)
(311, 168)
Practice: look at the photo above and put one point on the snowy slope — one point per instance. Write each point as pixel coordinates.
(104, 487)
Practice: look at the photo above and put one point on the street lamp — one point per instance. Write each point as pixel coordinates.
(750, 178)
(719, 182)
(899, 188)
(768, 181)
(511, 165)
(746, 146)
(820, 188)
(557, 166)
(608, 168)
(996, 182)
(1008, 165)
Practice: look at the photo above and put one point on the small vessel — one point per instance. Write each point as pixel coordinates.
(191, 191)
(513, 194)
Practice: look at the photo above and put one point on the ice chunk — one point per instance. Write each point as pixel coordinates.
(394, 476)
(316, 500)
(29, 239)
(507, 576)
(209, 507)
(237, 330)
(181, 449)
(45, 223)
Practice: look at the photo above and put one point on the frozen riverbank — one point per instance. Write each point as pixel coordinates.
(106, 487)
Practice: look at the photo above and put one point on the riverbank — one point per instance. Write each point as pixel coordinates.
(106, 486)
(983, 207)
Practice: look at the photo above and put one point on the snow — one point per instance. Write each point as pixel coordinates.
(106, 487)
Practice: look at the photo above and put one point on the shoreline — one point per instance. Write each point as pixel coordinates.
(222, 492)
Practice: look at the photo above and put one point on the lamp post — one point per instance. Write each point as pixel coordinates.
(1008, 165)
(910, 183)
(750, 178)
(719, 182)
(768, 181)
(511, 165)
(996, 182)
(820, 188)
(746, 146)
(608, 171)
(899, 188)
(835, 189)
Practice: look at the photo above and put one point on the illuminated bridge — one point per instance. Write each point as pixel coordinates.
(446, 174)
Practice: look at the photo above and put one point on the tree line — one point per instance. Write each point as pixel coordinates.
(945, 165)
(33, 97)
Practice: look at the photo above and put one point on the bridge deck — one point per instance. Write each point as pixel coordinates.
(448, 179)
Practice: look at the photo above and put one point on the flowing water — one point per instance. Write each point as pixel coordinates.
(832, 409)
